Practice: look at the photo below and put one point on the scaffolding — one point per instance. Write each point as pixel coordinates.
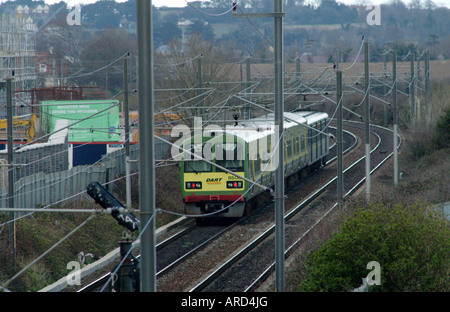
(18, 58)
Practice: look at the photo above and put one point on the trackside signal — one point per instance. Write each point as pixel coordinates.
(108, 201)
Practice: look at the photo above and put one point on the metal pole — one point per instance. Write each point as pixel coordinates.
(427, 72)
(338, 59)
(411, 91)
(427, 86)
(367, 117)
(339, 140)
(240, 68)
(126, 115)
(10, 144)
(200, 85)
(418, 66)
(394, 105)
(298, 79)
(146, 139)
(125, 277)
(54, 72)
(61, 83)
(384, 91)
(279, 174)
(248, 74)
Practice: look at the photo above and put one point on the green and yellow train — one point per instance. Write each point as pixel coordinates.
(247, 149)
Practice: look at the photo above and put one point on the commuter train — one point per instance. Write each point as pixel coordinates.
(221, 182)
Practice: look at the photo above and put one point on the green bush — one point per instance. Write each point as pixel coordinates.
(411, 243)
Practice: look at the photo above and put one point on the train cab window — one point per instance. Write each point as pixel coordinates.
(229, 156)
(192, 164)
(197, 166)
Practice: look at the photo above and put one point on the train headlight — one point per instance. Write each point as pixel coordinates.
(235, 184)
(193, 185)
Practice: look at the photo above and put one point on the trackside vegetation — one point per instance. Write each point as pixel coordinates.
(400, 229)
(411, 243)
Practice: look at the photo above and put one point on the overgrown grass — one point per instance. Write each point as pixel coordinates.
(35, 234)
(430, 130)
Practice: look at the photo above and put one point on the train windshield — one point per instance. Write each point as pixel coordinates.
(196, 165)
(229, 156)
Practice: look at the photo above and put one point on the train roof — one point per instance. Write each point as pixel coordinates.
(259, 127)
(312, 116)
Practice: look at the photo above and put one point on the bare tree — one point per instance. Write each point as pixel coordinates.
(179, 71)
(100, 57)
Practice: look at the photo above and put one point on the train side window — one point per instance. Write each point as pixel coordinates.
(296, 147)
(289, 146)
(302, 141)
(257, 164)
(320, 136)
(316, 134)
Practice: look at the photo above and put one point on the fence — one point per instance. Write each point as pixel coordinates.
(42, 189)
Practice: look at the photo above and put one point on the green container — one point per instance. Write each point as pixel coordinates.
(101, 127)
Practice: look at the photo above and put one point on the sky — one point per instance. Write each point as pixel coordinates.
(182, 3)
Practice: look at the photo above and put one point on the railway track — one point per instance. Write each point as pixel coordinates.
(173, 250)
(185, 275)
(185, 249)
(256, 258)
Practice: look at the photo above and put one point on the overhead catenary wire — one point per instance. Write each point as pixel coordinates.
(356, 58)
(252, 184)
(43, 209)
(143, 229)
(287, 118)
(222, 105)
(54, 182)
(256, 28)
(97, 70)
(209, 14)
(65, 127)
(181, 63)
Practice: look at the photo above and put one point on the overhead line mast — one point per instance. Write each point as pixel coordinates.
(146, 151)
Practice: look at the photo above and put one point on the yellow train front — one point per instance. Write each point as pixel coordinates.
(209, 190)
(247, 149)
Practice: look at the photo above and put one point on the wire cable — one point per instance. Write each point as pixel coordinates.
(209, 14)
(356, 58)
(97, 70)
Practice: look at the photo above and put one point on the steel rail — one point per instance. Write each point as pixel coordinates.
(290, 249)
(208, 280)
(104, 278)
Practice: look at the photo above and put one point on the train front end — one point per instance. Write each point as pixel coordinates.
(209, 190)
